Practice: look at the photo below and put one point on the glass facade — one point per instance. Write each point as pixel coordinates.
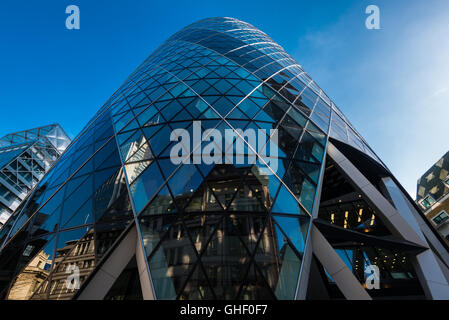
(360, 237)
(209, 231)
(25, 157)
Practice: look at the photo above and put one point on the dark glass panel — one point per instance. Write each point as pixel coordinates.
(171, 262)
(144, 188)
(107, 233)
(298, 183)
(197, 287)
(278, 261)
(77, 198)
(82, 216)
(127, 286)
(256, 287)
(161, 204)
(225, 258)
(185, 181)
(47, 218)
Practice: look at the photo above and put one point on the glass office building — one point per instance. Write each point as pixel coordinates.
(117, 218)
(25, 157)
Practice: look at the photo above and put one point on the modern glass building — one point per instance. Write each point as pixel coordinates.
(25, 157)
(308, 221)
(434, 183)
(432, 195)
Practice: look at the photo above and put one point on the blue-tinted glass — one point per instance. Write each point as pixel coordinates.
(144, 188)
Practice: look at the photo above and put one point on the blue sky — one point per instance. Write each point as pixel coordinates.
(392, 83)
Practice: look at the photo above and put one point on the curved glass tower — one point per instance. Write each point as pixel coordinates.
(294, 205)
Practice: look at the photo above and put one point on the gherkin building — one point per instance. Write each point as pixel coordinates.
(318, 217)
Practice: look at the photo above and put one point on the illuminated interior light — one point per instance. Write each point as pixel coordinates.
(372, 220)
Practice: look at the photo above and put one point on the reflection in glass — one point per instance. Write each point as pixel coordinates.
(209, 256)
(40, 251)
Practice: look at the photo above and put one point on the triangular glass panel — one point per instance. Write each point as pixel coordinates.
(197, 107)
(211, 91)
(211, 99)
(289, 266)
(161, 204)
(255, 286)
(184, 183)
(132, 144)
(131, 126)
(167, 167)
(278, 262)
(45, 223)
(145, 186)
(204, 199)
(170, 271)
(153, 230)
(295, 229)
(268, 183)
(249, 107)
(196, 287)
(209, 114)
(120, 124)
(122, 137)
(144, 153)
(171, 110)
(274, 111)
(160, 140)
(146, 115)
(312, 170)
(185, 101)
(81, 217)
(112, 204)
(286, 203)
(151, 130)
(156, 119)
(235, 92)
(237, 114)
(183, 115)
(134, 169)
(263, 116)
(222, 105)
(77, 198)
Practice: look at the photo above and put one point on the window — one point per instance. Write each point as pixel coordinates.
(440, 218)
(446, 180)
(28, 250)
(427, 202)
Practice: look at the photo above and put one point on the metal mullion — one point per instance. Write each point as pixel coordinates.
(136, 221)
(315, 209)
(198, 257)
(252, 260)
